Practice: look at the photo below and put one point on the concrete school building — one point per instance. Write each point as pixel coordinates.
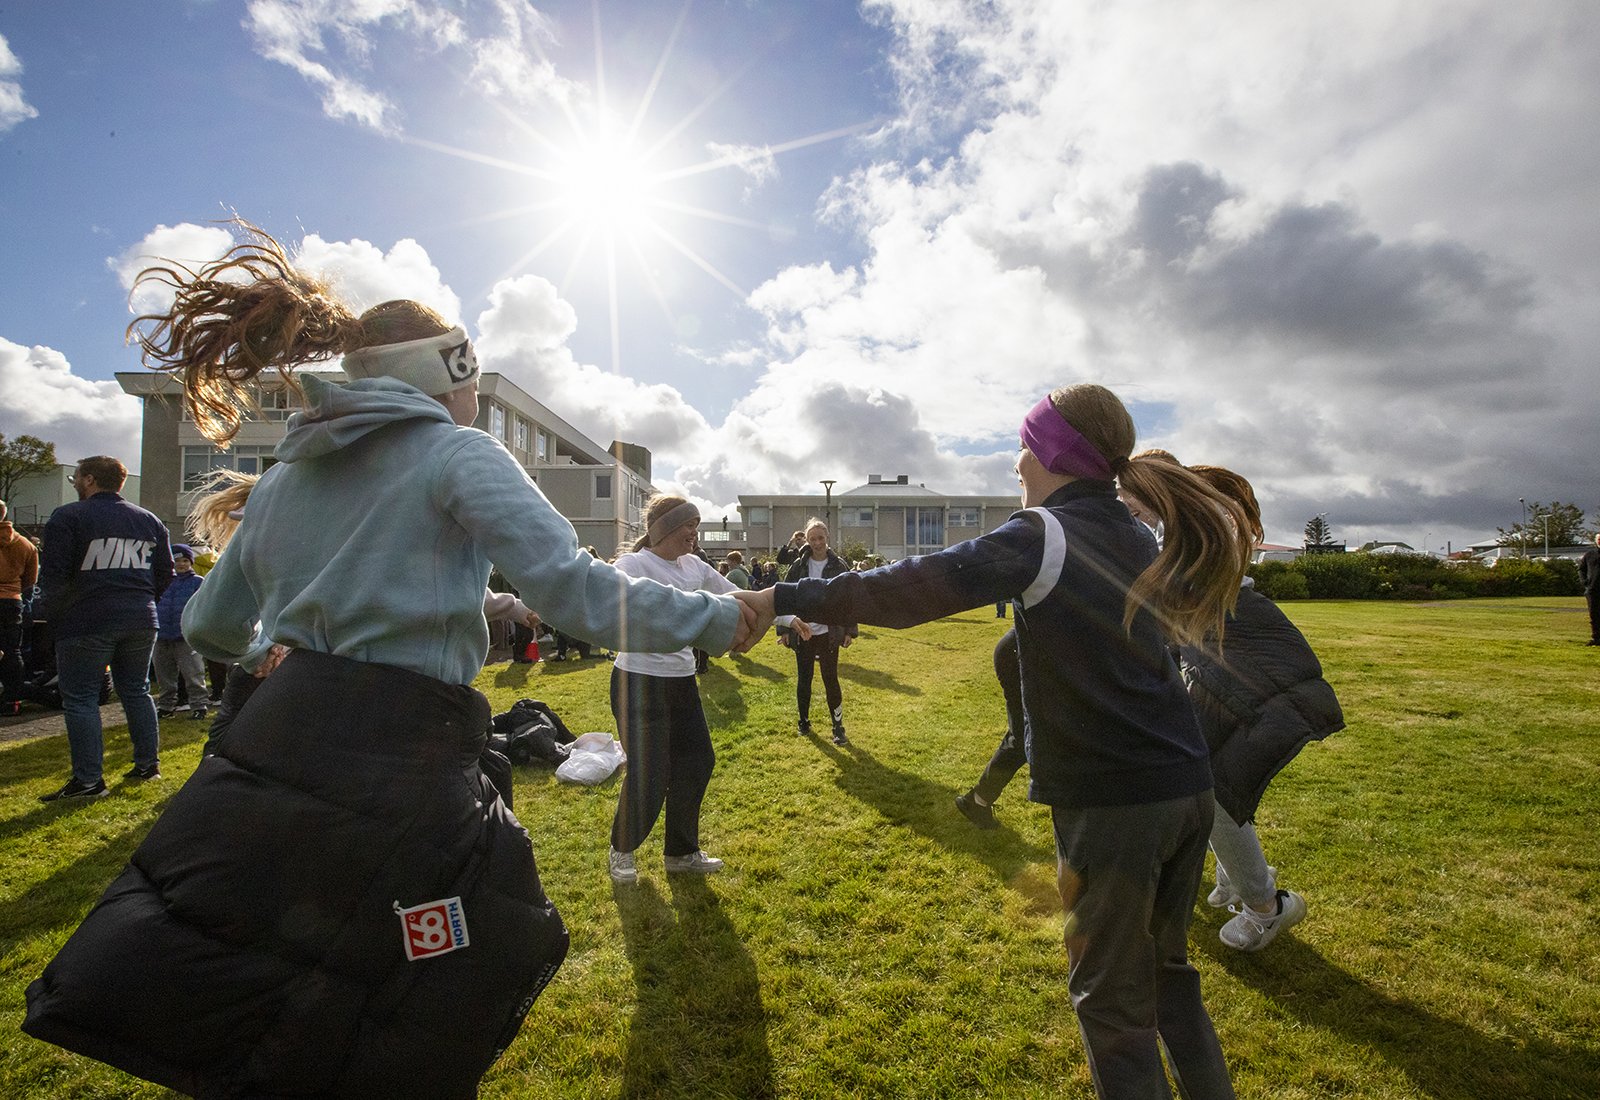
(891, 517)
(600, 490)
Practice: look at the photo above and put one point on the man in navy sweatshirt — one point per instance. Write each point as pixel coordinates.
(104, 563)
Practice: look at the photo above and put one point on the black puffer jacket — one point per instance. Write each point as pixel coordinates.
(252, 946)
(1259, 701)
(800, 569)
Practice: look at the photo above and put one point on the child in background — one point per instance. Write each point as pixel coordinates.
(173, 655)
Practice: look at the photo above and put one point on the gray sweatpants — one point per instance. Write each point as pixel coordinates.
(1240, 861)
(1129, 876)
(173, 657)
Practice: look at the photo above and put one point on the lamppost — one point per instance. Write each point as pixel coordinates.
(1425, 539)
(1546, 520)
(1522, 541)
(827, 514)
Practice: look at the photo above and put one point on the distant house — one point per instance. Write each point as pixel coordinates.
(32, 499)
(890, 517)
(1387, 548)
(1491, 552)
(1270, 551)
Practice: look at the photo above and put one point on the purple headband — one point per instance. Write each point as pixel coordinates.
(1059, 447)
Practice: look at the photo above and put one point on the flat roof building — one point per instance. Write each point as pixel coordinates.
(893, 518)
(600, 490)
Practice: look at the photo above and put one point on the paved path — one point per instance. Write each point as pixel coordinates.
(35, 722)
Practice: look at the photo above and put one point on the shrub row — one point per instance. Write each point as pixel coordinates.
(1411, 577)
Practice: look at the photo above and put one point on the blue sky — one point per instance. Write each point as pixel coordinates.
(1350, 251)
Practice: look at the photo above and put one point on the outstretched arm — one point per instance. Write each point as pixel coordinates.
(997, 566)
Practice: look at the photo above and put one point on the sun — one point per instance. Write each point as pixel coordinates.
(603, 184)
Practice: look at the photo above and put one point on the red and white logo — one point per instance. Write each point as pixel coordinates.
(433, 928)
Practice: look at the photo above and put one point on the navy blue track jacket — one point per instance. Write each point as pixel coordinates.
(103, 564)
(1109, 718)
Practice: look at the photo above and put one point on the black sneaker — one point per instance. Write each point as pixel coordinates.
(198, 715)
(838, 736)
(165, 712)
(981, 816)
(75, 789)
(147, 771)
(805, 727)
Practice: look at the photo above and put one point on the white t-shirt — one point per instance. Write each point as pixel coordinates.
(691, 575)
(814, 568)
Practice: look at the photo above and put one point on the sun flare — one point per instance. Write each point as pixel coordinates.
(604, 186)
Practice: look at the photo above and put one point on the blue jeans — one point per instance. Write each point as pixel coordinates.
(80, 663)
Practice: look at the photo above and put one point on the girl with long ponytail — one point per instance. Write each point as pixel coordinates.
(339, 902)
(1114, 748)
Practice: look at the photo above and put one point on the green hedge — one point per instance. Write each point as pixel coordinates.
(1411, 577)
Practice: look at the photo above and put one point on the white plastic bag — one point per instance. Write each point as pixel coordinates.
(591, 759)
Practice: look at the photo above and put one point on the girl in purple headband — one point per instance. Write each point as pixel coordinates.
(1114, 748)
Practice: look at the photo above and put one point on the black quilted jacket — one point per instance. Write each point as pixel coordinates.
(252, 946)
(1259, 701)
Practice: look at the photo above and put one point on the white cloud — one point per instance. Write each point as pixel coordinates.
(1269, 235)
(363, 275)
(40, 396)
(523, 335)
(186, 244)
(294, 33)
(13, 108)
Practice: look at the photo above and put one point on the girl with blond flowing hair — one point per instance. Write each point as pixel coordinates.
(338, 902)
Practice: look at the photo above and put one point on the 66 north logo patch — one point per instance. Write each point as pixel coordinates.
(432, 928)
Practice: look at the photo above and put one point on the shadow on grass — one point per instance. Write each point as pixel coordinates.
(1443, 1058)
(49, 757)
(872, 678)
(699, 1029)
(928, 809)
(757, 671)
(63, 897)
(720, 696)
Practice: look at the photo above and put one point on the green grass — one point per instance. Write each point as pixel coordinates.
(866, 941)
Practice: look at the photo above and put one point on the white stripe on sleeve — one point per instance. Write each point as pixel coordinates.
(1055, 557)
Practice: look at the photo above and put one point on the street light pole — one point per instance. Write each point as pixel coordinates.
(1522, 542)
(1546, 519)
(827, 510)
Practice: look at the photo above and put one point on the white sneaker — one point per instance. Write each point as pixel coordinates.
(1251, 931)
(1224, 895)
(620, 864)
(698, 862)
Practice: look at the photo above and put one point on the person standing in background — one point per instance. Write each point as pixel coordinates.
(1589, 571)
(105, 561)
(19, 569)
(175, 657)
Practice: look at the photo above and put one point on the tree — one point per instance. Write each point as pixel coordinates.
(1565, 525)
(853, 550)
(24, 456)
(1317, 533)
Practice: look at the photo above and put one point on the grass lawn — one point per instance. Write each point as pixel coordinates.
(866, 941)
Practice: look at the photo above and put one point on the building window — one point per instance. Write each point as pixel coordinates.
(522, 434)
(924, 530)
(758, 517)
(602, 486)
(855, 517)
(497, 422)
(713, 536)
(199, 462)
(963, 517)
(545, 450)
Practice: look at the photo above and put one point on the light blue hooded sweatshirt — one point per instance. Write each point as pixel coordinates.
(372, 537)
